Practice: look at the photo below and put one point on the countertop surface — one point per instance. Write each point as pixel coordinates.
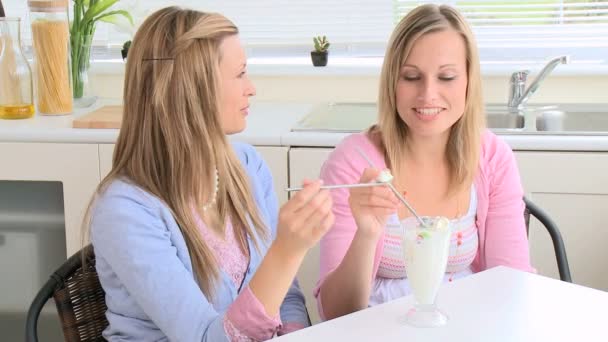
(526, 311)
(268, 124)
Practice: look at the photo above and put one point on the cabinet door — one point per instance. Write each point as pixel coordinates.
(105, 159)
(76, 166)
(276, 158)
(306, 163)
(573, 188)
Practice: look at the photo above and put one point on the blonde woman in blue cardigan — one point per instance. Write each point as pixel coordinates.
(189, 240)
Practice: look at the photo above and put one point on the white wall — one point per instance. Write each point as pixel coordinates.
(555, 88)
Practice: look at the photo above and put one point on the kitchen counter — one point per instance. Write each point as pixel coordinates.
(519, 142)
(265, 126)
(269, 124)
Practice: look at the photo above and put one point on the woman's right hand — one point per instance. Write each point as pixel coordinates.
(371, 206)
(305, 218)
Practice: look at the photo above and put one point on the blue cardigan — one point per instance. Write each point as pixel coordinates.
(146, 271)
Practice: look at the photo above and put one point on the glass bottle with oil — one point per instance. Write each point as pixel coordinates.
(16, 88)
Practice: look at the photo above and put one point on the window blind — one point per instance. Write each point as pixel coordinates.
(505, 30)
(533, 30)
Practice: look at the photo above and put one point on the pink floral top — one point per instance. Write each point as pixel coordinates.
(234, 263)
(227, 251)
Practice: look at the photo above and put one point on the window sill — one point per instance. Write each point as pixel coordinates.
(371, 66)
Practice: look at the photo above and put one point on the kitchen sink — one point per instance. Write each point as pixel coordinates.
(504, 121)
(341, 117)
(571, 119)
(587, 119)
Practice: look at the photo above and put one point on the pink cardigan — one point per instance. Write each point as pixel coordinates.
(500, 220)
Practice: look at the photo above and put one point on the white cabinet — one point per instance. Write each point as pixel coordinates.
(275, 157)
(105, 159)
(573, 188)
(306, 163)
(76, 166)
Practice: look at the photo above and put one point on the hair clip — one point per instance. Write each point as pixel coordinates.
(158, 59)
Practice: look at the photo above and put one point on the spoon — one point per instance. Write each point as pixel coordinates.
(392, 187)
(341, 186)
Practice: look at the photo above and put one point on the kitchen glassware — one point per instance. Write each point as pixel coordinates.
(426, 249)
(51, 42)
(16, 90)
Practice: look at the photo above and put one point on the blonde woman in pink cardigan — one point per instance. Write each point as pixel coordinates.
(431, 135)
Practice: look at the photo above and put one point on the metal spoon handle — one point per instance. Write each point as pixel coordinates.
(407, 205)
(392, 187)
(341, 186)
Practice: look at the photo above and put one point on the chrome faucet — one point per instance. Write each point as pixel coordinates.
(518, 95)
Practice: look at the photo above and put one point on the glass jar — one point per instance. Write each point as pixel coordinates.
(16, 91)
(51, 43)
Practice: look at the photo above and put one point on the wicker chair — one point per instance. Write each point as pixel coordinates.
(556, 237)
(79, 297)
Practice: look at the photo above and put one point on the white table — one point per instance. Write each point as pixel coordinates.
(500, 304)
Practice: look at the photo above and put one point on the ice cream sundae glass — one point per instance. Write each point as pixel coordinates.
(426, 249)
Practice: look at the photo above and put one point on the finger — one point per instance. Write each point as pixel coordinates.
(316, 210)
(382, 200)
(324, 226)
(369, 175)
(307, 181)
(310, 188)
(319, 215)
(380, 211)
(287, 210)
(384, 191)
(377, 196)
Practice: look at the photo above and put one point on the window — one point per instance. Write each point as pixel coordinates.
(507, 31)
(516, 31)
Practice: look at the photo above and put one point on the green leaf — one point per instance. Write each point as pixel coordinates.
(113, 17)
(97, 8)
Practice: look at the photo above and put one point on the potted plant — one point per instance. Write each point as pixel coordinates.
(87, 13)
(319, 55)
(125, 49)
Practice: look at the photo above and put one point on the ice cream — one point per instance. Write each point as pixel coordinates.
(426, 255)
(385, 176)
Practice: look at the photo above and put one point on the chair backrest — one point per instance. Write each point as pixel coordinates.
(79, 298)
(556, 237)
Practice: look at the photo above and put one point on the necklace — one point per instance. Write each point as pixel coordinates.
(216, 182)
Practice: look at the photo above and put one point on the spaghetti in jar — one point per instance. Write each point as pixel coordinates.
(51, 43)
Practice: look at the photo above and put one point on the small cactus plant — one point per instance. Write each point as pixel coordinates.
(125, 49)
(321, 43)
(126, 45)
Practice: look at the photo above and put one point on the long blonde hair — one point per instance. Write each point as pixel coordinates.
(464, 142)
(171, 141)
